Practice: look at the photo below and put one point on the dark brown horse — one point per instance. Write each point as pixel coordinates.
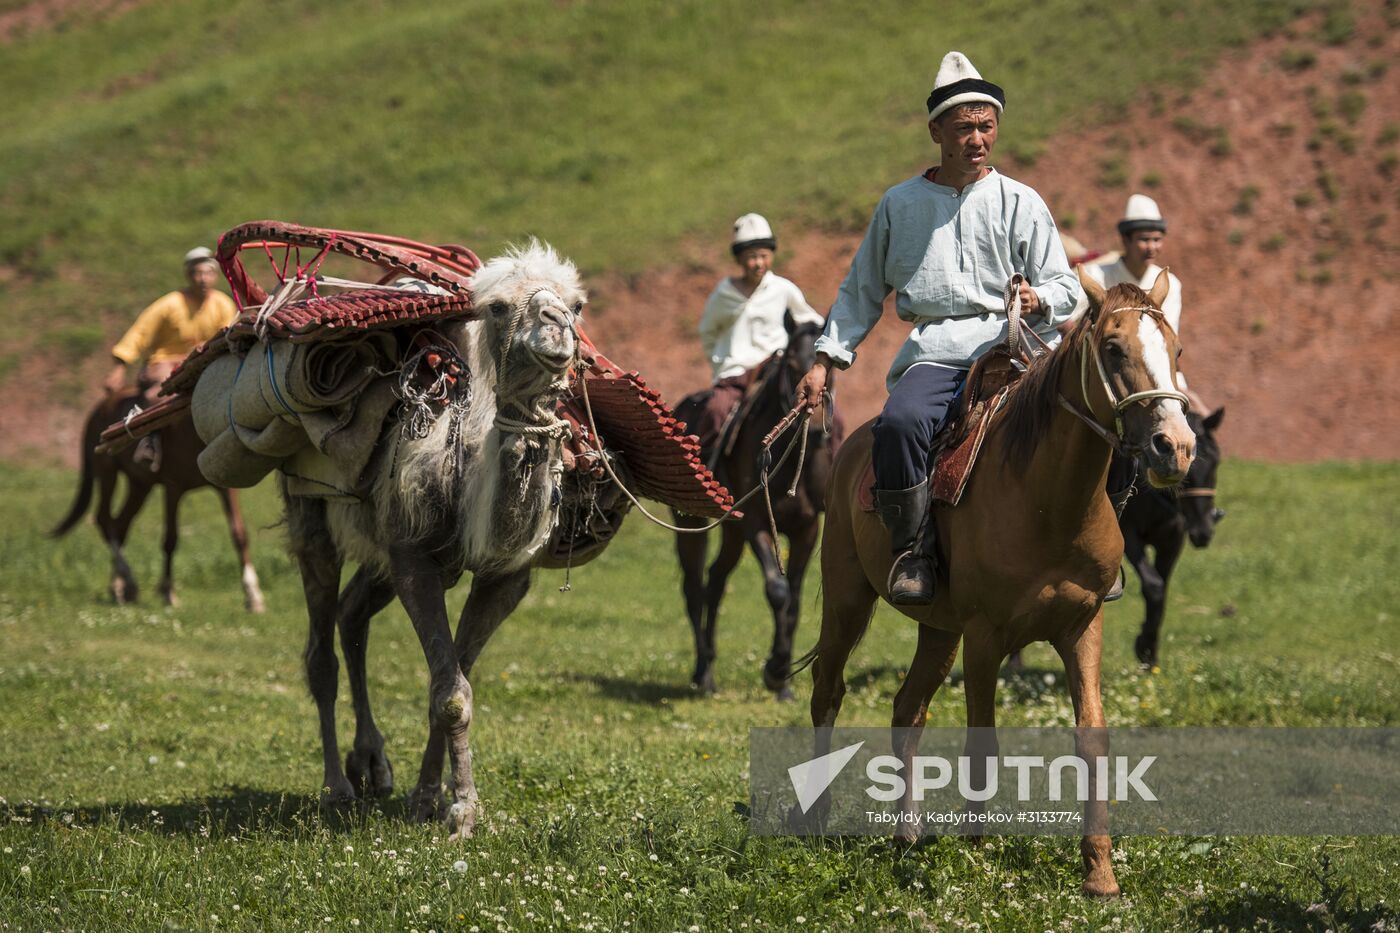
(797, 517)
(1032, 548)
(177, 474)
(1163, 520)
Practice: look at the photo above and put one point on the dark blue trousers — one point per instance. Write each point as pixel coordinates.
(911, 419)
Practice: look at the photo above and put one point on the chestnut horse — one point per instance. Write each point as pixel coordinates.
(178, 473)
(1032, 548)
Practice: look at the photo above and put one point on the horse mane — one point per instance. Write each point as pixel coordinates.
(1034, 399)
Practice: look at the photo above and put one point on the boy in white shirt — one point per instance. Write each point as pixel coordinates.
(743, 323)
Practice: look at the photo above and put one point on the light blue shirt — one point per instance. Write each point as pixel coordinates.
(947, 256)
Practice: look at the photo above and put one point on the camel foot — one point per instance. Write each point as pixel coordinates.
(461, 819)
(370, 772)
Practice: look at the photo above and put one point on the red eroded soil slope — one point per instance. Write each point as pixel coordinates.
(1279, 180)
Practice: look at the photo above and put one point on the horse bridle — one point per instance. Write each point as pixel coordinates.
(1119, 405)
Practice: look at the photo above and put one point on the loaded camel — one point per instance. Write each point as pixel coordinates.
(475, 494)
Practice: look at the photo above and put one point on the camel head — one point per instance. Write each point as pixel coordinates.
(532, 298)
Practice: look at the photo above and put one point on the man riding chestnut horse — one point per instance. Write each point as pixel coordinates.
(946, 243)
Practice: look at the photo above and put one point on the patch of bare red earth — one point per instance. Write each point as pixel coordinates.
(1290, 291)
(42, 15)
(1286, 245)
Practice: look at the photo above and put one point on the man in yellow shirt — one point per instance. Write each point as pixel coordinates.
(167, 331)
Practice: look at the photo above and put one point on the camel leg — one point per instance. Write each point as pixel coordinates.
(319, 562)
(777, 669)
(690, 552)
(124, 589)
(981, 658)
(490, 603)
(252, 589)
(933, 659)
(1080, 650)
(1155, 576)
(366, 766)
(776, 589)
(169, 543)
(418, 583)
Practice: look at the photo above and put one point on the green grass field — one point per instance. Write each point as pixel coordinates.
(160, 767)
(616, 130)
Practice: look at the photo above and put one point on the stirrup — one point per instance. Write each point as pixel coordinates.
(932, 580)
(1115, 592)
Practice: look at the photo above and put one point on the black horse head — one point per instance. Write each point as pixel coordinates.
(1197, 493)
(799, 356)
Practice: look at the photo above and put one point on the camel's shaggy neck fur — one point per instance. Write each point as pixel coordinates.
(489, 505)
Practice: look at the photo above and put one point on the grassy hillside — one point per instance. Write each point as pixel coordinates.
(160, 765)
(614, 129)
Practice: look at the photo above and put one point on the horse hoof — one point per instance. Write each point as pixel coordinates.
(123, 594)
(811, 823)
(705, 683)
(425, 804)
(255, 606)
(1146, 652)
(370, 773)
(338, 797)
(775, 676)
(1101, 887)
(461, 819)
(784, 695)
(170, 599)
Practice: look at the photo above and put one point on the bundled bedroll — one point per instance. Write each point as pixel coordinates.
(307, 379)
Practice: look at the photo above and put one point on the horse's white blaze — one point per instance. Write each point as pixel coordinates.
(1153, 342)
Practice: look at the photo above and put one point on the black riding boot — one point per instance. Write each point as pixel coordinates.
(903, 511)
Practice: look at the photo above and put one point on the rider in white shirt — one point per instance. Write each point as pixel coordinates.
(744, 321)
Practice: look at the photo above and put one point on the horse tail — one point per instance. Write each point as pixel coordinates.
(804, 662)
(83, 499)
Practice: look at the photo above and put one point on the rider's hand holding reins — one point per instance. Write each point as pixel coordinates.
(812, 388)
(1030, 301)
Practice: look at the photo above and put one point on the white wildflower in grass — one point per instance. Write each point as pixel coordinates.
(24, 871)
(349, 850)
(654, 857)
(800, 919)
(459, 866)
(179, 764)
(153, 759)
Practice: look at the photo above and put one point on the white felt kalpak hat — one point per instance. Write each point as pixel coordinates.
(959, 83)
(199, 254)
(1142, 213)
(752, 230)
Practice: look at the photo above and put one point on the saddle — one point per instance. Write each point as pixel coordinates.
(957, 445)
